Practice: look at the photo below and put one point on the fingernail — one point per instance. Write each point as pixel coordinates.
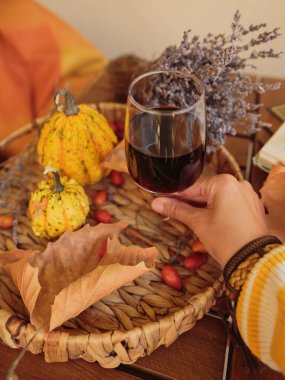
(158, 204)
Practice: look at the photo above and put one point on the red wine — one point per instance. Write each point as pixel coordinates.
(164, 160)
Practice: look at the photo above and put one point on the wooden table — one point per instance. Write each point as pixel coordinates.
(201, 353)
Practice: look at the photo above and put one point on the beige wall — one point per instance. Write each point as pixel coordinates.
(146, 27)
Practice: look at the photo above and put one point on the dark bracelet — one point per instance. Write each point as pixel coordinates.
(238, 267)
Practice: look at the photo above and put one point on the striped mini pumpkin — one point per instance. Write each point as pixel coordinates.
(75, 141)
(57, 206)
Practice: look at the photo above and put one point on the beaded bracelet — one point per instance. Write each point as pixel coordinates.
(240, 265)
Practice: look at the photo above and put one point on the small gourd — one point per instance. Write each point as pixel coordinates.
(57, 206)
(75, 140)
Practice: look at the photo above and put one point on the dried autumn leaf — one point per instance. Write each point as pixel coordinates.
(273, 197)
(70, 275)
(116, 160)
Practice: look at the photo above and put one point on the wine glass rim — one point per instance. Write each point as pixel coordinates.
(161, 111)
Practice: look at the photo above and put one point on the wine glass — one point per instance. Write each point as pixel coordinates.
(165, 131)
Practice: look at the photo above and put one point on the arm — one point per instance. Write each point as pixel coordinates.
(261, 309)
(232, 217)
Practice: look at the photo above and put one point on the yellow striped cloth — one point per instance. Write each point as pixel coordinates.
(261, 309)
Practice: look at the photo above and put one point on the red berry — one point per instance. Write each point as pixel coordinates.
(102, 216)
(197, 247)
(194, 261)
(103, 248)
(171, 277)
(117, 178)
(117, 126)
(120, 135)
(113, 126)
(6, 221)
(100, 198)
(120, 126)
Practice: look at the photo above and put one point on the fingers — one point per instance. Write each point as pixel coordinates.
(205, 188)
(206, 191)
(177, 210)
(254, 200)
(246, 185)
(195, 192)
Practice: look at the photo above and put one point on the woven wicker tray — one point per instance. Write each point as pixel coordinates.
(137, 318)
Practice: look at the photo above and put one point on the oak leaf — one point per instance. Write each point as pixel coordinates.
(71, 274)
(115, 159)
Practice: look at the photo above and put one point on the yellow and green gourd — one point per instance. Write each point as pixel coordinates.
(57, 205)
(75, 140)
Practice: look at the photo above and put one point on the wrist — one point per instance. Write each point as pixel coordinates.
(240, 264)
(237, 241)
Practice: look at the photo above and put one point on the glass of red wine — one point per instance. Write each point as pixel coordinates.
(165, 132)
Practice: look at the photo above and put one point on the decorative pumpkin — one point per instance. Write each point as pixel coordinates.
(57, 205)
(75, 140)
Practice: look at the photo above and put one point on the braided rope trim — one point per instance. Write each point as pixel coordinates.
(239, 276)
(238, 267)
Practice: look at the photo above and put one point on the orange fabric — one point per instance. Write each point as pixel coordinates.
(38, 53)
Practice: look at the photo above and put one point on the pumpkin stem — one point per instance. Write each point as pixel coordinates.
(70, 107)
(58, 186)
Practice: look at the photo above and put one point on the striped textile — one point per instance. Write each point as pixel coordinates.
(261, 309)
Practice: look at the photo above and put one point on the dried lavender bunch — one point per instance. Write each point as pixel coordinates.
(217, 61)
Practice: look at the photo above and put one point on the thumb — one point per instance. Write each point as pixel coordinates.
(175, 209)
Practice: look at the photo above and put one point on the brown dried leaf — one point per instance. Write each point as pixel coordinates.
(116, 160)
(273, 197)
(70, 275)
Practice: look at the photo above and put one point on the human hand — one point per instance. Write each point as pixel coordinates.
(233, 215)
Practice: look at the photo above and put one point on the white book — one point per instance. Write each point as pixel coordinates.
(273, 151)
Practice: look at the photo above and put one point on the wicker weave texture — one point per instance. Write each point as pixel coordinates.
(140, 316)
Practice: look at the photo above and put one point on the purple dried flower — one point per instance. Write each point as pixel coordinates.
(217, 61)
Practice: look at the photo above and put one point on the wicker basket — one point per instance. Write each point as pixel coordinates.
(137, 318)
